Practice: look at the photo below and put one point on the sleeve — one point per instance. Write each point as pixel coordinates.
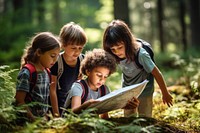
(146, 61)
(54, 69)
(23, 80)
(76, 90)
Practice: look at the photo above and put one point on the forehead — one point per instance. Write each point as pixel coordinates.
(74, 46)
(117, 45)
(54, 51)
(102, 70)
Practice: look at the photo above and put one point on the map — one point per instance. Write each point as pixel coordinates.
(118, 99)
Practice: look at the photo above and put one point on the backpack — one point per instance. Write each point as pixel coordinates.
(148, 48)
(85, 93)
(86, 90)
(33, 78)
(61, 69)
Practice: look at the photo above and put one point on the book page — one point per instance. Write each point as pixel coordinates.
(118, 98)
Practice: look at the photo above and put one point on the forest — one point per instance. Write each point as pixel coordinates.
(170, 26)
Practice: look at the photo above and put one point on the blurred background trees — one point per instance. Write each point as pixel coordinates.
(167, 24)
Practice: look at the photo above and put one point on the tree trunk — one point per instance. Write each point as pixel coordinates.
(183, 25)
(41, 13)
(160, 25)
(195, 23)
(121, 10)
(56, 13)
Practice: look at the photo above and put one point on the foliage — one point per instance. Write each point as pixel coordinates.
(7, 91)
(183, 116)
(86, 122)
(190, 72)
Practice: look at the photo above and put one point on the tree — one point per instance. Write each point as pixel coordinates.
(121, 10)
(160, 24)
(183, 24)
(195, 22)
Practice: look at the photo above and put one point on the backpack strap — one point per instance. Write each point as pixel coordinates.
(33, 75)
(61, 67)
(32, 80)
(148, 48)
(81, 57)
(103, 90)
(86, 90)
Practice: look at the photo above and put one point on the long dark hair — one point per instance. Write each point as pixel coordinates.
(117, 32)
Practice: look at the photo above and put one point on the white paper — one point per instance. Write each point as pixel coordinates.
(118, 98)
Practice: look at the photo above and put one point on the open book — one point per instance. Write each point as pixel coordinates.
(118, 99)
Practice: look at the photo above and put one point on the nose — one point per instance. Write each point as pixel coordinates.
(102, 80)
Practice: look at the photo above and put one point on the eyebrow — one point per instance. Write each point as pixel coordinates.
(101, 73)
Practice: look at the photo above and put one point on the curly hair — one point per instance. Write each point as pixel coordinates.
(98, 58)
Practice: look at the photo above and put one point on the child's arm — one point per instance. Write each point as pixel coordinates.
(167, 98)
(53, 97)
(76, 105)
(20, 96)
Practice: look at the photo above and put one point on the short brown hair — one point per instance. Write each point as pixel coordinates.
(71, 34)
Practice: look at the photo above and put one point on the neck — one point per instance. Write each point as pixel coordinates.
(38, 67)
(71, 62)
(91, 86)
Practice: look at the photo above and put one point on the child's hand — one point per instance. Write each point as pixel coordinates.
(88, 103)
(132, 104)
(167, 99)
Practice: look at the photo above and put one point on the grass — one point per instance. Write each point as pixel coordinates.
(183, 116)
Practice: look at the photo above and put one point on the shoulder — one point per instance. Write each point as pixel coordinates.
(23, 80)
(76, 90)
(76, 87)
(143, 52)
(24, 73)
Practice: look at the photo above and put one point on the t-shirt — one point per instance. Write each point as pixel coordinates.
(39, 93)
(132, 74)
(77, 90)
(68, 77)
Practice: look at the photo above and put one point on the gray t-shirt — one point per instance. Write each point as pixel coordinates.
(132, 74)
(77, 90)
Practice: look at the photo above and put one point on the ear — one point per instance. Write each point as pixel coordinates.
(87, 72)
(38, 52)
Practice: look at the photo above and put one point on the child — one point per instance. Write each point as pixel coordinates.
(121, 43)
(41, 53)
(73, 40)
(97, 65)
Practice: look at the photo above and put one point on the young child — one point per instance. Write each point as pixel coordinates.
(41, 53)
(97, 65)
(121, 43)
(73, 40)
